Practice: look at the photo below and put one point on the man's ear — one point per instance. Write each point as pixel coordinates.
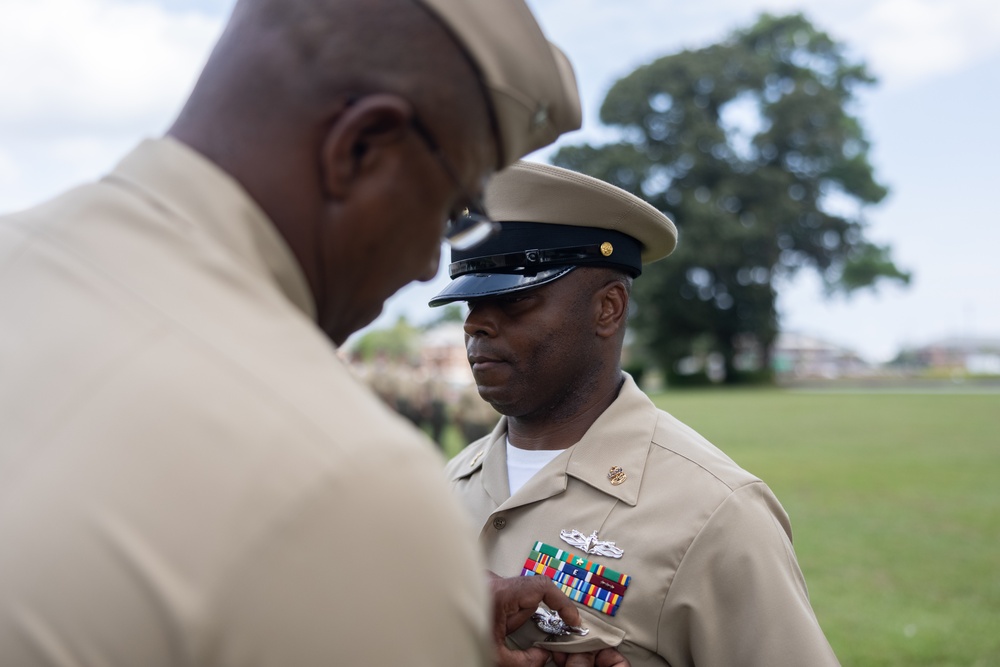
(613, 312)
(356, 137)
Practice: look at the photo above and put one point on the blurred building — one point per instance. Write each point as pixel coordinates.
(798, 356)
(963, 355)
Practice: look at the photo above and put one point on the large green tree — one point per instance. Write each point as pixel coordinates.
(751, 147)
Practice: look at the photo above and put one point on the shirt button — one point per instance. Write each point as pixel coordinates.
(499, 523)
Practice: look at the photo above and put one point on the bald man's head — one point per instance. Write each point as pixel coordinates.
(292, 63)
(360, 128)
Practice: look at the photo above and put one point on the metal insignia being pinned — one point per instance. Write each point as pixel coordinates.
(550, 623)
(590, 544)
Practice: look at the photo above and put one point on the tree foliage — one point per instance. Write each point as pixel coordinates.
(452, 312)
(751, 148)
(401, 342)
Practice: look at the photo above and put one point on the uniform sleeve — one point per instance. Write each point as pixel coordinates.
(738, 597)
(371, 567)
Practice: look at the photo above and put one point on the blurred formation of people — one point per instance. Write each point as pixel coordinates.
(428, 395)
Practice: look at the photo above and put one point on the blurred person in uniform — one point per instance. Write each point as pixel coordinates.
(188, 474)
(406, 383)
(434, 393)
(675, 554)
(378, 377)
(474, 417)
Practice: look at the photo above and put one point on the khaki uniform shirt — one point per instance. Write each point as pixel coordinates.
(188, 475)
(714, 580)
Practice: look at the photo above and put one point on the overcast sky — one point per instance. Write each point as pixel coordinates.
(83, 80)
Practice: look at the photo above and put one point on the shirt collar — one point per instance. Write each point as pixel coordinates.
(192, 188)
(621, 437)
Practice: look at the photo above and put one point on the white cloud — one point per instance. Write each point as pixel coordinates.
(9, 170)
(911, 41)
(904, 41)
(78, 65)
(84, 79)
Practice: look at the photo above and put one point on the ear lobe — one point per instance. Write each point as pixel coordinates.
(613, 309)
(357, 137)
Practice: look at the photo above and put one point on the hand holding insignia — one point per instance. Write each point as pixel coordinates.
(515, 601)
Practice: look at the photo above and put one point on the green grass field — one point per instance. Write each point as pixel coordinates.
(895, 508)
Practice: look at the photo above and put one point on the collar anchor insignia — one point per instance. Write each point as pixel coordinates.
(617, 475)
(590, 544)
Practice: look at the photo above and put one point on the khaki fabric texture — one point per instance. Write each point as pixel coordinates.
(533, 192)
(529, 82)
(188, 475)
(715, 582)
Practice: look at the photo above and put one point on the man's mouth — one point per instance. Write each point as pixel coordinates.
(482, 361)
(482, 357)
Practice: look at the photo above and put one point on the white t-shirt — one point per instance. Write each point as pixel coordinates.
(522, 464)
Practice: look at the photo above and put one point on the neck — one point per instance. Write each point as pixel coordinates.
(548, 432)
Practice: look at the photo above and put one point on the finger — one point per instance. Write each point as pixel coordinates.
(557, 601)
(580, 659)
(532, 657)
(531, 591)
(515, 599)
(609, 657)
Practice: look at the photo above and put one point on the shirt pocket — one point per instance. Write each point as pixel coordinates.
(602, 635)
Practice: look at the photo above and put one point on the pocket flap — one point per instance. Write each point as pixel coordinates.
(602, 635)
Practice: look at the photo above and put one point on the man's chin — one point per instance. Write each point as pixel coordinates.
(495, 396)
(339, 330)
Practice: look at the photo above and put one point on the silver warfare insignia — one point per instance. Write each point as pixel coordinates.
(550, 623)
(590, 544)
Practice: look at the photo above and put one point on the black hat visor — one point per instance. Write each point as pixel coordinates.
(481, 285)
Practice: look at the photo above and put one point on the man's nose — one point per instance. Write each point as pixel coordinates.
(481, 320)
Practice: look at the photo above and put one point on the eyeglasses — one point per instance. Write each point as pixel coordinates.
(473, 226)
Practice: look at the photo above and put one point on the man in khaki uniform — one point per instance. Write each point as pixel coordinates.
(675, 554)
(188, 475)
